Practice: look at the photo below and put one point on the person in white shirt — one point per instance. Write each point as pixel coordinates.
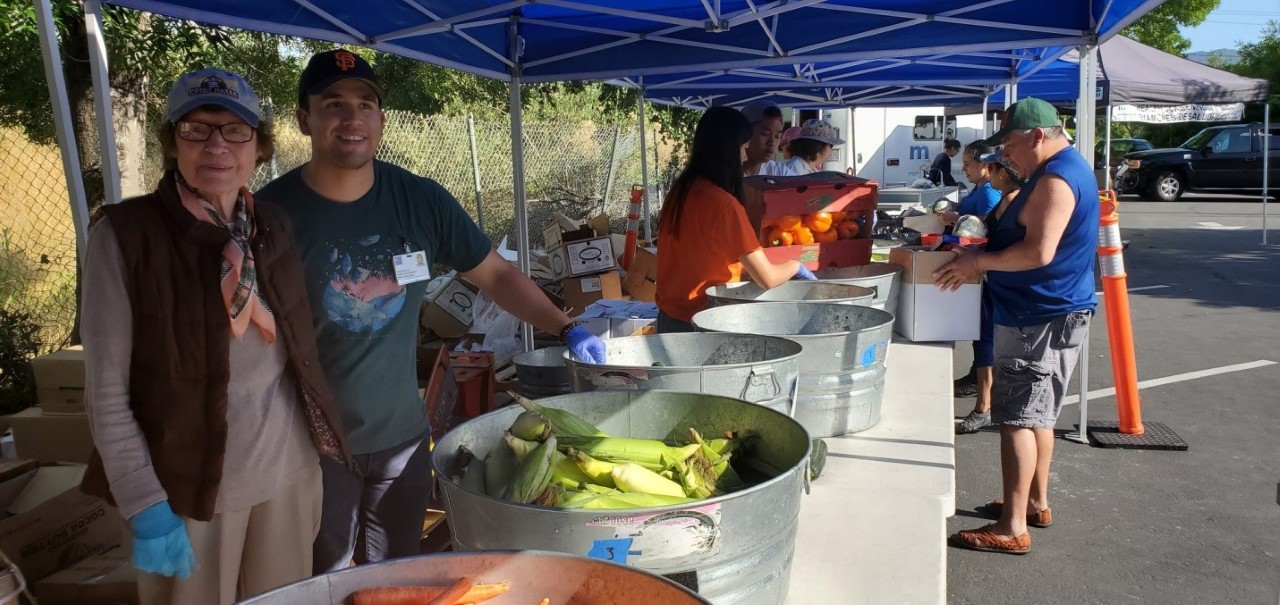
(810, 150)
(766, 132)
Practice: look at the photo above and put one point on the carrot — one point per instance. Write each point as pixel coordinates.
(453, 593)
(417, 595)
(545, 601)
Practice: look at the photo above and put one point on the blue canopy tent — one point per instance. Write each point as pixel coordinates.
(520, 41)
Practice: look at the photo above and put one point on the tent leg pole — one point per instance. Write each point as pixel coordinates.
(1007, 101)
(475, 171)
(986, 122)
(102, 100)
(644, 167)
(1106, 162)
(62, 123)
(517, 175)
(1081, 435)
(1266, 165)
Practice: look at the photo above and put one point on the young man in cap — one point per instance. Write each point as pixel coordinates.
(766, 132)
(360, 224)
(940, 170)
(1039, 263)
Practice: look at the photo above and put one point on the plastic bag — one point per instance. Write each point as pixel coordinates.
(500, 328)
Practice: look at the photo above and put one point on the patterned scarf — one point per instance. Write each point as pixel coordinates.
(244, 302)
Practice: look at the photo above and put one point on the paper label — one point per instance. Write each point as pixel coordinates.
(591, 284)
(663, 536)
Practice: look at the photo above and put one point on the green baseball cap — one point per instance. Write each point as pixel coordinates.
(1024, 115)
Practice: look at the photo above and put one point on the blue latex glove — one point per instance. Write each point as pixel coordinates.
(584, 345)
(160, 542)
(803, 273)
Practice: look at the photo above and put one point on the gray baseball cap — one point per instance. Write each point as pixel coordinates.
(213, 87)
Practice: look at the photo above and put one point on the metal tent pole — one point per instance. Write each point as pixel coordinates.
(613, 166)
(1007, 101)
(1266, 164)
(644, 166)
(1106, 154)
(986, 123)
(102, 100)
(62, 123)
(517, 168)
(475, 171)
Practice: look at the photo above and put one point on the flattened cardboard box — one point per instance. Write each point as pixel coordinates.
(642, 278)
(105, 579)
(52, 524)
(926, 313)
(587, 257)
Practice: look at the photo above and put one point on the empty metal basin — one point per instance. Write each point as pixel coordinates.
(759, 369)
(842, 366)
(882, 278)
(533, 575)
(542, 372)
(792, 291)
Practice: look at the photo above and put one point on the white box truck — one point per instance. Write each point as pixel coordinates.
(896, 145)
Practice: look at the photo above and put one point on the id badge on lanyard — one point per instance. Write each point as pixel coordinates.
(411, 266)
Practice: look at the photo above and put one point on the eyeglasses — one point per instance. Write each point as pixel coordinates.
(235, 132)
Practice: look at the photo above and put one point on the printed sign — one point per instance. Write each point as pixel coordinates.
(1230, 112)
(666, 536)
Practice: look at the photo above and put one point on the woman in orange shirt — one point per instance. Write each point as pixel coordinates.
(704, 237)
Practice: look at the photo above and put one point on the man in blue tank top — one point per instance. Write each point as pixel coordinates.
(1038, 263)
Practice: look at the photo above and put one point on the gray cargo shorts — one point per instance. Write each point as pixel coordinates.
(1033, 366)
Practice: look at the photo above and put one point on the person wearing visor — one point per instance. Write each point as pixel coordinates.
(704, 235)
(1004, 180)
(205, 395)
(811, 149)
(1039, 267)
(766, 131)
(362, 225)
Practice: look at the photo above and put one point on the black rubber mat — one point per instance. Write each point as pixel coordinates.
(1105, 433)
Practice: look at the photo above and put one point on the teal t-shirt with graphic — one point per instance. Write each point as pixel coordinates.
(366, 322)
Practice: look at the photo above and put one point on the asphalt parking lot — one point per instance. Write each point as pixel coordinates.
(1130, 526)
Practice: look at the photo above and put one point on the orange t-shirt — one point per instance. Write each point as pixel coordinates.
(714, 232)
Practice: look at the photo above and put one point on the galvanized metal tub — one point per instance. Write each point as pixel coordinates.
(882, 278)
(792, 291)
(533, 575)
(759, 369)
(842, 367)
(542, 372)
(736, 548)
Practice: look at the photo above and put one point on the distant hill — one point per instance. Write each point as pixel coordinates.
(1228, 54)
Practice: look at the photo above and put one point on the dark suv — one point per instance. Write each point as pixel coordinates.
(1216, 158)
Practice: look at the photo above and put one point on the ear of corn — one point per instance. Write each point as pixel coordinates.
(627, 500)
(649, 453)
(563, 422)
(631, 477)
(598, 471)
(531, 426)
(534, 474)
(817, 458)
(519, 447)
(565, 472)
(500, 469)
(474, 477)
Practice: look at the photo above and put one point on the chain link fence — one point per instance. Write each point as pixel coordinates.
(578, 169)
(37, 246)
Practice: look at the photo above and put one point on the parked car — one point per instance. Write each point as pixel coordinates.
(1119, 148)
(1219, 158)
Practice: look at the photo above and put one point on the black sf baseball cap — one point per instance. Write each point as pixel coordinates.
(329, 68)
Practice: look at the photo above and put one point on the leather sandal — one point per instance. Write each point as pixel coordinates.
(983, 539)
(1041, 519)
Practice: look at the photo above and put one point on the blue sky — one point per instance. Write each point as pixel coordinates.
(1232, 22)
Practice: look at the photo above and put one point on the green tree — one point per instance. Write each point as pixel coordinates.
(1261, 59)
(1159, 28)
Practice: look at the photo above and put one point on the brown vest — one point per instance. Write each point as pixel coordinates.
(180, 366)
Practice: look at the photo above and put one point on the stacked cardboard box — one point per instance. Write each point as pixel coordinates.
(771, 201)
(582, 261)
(48, 524)
(60, 381)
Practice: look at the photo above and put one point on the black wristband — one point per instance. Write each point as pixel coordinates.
(565, 331)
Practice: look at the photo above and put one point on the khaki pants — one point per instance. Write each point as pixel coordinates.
(243, 553)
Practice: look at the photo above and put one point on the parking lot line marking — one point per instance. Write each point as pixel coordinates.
(1155, 382)
(1139, 289)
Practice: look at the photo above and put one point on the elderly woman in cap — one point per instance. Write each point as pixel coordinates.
(812, 147)
(206, 399)
(1001, 176)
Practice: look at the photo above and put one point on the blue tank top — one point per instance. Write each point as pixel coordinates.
(1038, 296)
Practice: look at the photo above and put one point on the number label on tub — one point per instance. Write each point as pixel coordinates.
(667, 535)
